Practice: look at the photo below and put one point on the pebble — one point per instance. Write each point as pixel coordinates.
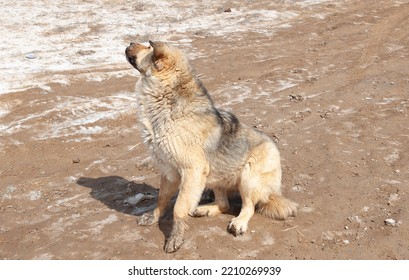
(133, 200)
(390, 222)
(31, 56)
(77, 160)
(296, 97)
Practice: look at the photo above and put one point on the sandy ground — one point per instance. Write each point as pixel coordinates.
(332, 90)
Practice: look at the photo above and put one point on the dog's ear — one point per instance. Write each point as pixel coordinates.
(159, 54)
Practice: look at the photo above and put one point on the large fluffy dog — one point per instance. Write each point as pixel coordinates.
(196, 145)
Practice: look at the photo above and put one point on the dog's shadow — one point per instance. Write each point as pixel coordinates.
(115, 191)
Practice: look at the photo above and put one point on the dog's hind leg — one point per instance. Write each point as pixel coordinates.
(262, 160)
(191, 188)
(220, 204)
(167, 190)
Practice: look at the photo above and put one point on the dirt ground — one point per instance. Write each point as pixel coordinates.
(332, 88)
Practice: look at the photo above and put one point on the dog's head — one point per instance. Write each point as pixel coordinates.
(158, 57)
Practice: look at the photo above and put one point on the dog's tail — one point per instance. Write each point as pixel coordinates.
(277, 207)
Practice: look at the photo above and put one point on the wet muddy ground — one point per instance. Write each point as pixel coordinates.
(329, 83)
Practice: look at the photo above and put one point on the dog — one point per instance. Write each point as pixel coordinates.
(197, 146)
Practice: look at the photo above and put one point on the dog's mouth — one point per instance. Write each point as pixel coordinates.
(131, 60)
(138, 56)
(130, 57)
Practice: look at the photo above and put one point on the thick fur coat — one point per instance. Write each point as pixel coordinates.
(197, 146)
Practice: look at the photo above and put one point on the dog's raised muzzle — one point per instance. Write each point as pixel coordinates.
(130, 57)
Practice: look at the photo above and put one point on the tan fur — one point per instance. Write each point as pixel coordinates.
(196, 145)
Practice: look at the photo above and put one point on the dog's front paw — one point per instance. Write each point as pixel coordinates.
(147, 219)
(237, 227)
(176, 239)
(173, 243)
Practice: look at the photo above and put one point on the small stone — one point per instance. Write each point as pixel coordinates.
(31, 56)
(346, 241)
(295, 97)
(390, 222)
(76, 160)
(228, 10)
(133, 200)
